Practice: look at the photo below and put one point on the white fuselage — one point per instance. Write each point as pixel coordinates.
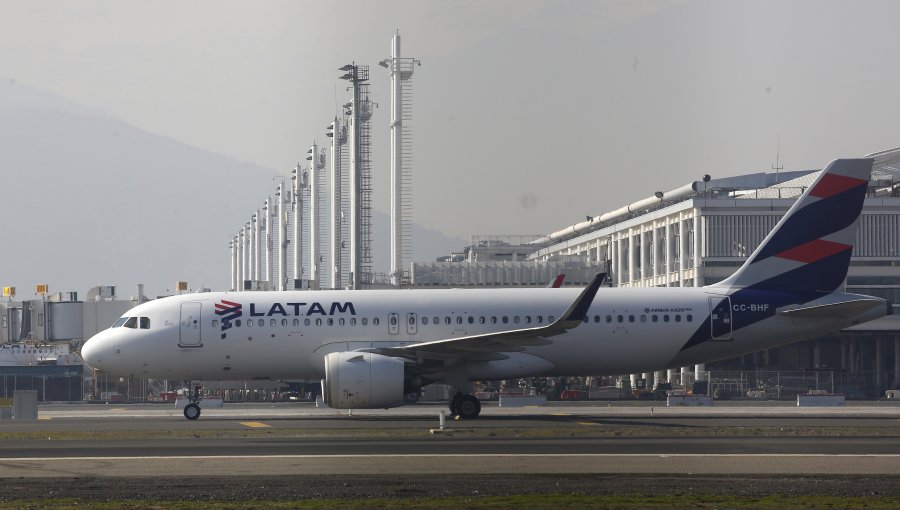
(286, 335)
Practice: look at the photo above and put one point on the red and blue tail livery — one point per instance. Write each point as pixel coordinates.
(810, 248)
(803, 262)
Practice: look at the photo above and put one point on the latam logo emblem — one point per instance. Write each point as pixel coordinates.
(228, 311)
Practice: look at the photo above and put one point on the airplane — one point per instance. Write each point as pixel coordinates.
(373, 347)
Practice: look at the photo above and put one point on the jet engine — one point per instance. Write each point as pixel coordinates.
(363, 380)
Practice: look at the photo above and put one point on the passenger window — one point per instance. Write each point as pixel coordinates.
(596, 318)
(643, 318)
(527, 319)
(446, 320)
(262, 322)
(620, 318)
(505, 320)
(330, 321)
(471, 320)
(118, 323)
(318, 322)
(459, 319)
(273, 323)
(352, 321)
(306, 322)
(131, 323)
(493, 319)
(481, 320)
(250, 323)
(375, 321)
(393, 320)
(340, 322)
(678, 318)
(365, 321)
(655, 318)
(284, 322)
(609, 318)
(237, 323)
(516, 319)
(585, 319)
(296, 322)
(145, 322)
(666, 318)
(631, 318)
(540, 319)
(690, 318)
(411, 320)
(424, 321)
(435, 320)
(549, 318)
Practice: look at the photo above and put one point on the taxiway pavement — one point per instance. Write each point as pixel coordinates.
(293, 439)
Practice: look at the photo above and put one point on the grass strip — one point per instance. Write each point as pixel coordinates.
(524, 502)
(601, 430)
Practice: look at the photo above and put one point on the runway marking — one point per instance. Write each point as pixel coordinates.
(255, 425)
(475, 455)
(568, 414)
(44, 418)
(116, 409)
(587, 423)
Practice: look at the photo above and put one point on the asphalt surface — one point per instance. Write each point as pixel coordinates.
(296, 451)
(291, 439)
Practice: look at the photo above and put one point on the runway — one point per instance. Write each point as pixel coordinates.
(299, 439)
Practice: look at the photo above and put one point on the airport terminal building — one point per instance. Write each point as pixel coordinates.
(699, 234)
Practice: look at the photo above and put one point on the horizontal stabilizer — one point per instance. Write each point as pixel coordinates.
(844, 309)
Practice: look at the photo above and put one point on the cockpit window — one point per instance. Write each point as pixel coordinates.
(145, 322)
(119, 322)
(131, 323)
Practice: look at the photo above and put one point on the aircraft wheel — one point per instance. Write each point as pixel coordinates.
(192, 411)
(469, 407)
(454, 404)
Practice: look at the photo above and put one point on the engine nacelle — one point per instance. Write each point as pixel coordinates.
(363, 380)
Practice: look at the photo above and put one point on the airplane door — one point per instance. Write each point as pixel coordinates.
(411, 323)
(720, 317)
(190, 325)
(393, 324)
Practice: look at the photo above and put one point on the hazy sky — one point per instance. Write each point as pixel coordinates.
(528, 114)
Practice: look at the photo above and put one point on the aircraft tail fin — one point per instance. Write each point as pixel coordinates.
(809, 249)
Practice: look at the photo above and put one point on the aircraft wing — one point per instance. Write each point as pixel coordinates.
(484, 345)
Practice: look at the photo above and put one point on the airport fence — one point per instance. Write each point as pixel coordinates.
(775, 385)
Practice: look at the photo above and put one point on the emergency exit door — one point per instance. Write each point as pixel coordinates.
(190, 325)
(720, 318)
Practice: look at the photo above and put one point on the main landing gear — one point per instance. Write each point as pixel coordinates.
(192, 410)
(465, 406)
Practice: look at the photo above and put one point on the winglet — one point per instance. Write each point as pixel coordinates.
(577, 311)
(557, 282)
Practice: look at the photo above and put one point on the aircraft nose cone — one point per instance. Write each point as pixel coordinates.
(92, 351)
